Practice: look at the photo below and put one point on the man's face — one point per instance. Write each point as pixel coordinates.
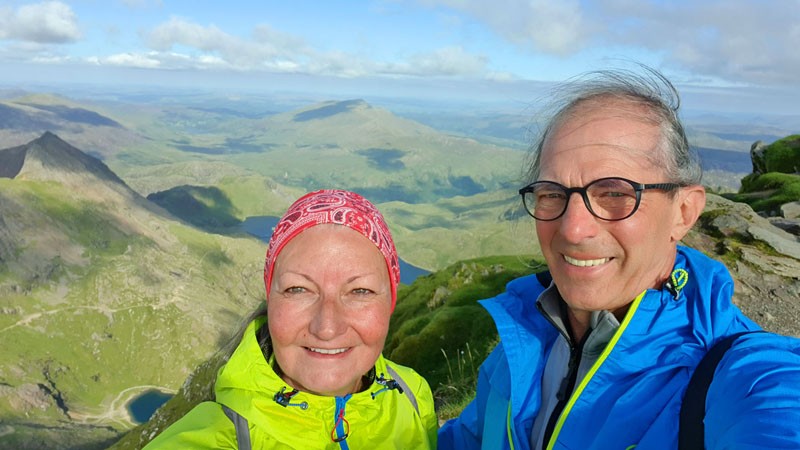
(597, 264)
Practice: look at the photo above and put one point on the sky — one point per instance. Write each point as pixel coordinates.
(739, 48)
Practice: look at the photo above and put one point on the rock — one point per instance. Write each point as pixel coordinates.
(788, 225)
(757, 157)
(763, 259)
(791, 210)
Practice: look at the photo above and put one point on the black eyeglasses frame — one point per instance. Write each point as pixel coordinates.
(583, 191)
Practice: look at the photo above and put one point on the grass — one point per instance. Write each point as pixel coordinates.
(459, 389)
(440, 330)
(765, 193)
(783, 155)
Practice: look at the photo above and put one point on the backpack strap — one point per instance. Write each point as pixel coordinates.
(691, 434)
(404, 386)
(242, 431)
(544, 278)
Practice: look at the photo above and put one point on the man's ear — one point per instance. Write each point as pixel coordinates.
(691, 200)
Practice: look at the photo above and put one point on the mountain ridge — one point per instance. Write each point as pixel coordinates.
(98, 288)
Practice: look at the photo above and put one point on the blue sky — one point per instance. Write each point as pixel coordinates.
(471, 46)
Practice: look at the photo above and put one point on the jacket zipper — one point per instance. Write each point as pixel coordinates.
(341, 427)
(567, 386)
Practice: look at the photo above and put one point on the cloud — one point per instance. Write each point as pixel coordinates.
(45, 23)
(558, 28)
(264, 48)
(141, 61)
(448, 61)
(268, 49)
(733, 40)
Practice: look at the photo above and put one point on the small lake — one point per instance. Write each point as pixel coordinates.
(261, 227)
(145, 404)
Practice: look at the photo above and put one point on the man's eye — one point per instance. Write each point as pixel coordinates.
(362, 291)
(615, 194)
(551, 195)
(295, 290)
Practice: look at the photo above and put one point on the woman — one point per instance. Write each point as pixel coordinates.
(309, 374)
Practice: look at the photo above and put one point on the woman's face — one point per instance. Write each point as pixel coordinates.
(328, 309)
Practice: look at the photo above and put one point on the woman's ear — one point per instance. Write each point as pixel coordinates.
(690, 202)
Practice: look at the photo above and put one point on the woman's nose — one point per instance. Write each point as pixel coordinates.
(329, 319)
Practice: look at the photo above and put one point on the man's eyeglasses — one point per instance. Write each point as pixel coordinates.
(609, 198)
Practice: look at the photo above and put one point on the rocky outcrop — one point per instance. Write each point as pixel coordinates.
(764, 261)
(757, 157)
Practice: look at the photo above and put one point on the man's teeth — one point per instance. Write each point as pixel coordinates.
(585, 262)
(328, 351)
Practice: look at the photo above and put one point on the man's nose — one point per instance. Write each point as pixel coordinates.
(577, 222)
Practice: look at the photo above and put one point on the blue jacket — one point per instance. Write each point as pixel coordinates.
(631, 397)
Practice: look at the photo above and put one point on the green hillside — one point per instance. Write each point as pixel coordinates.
(102, 298)
(440, 330)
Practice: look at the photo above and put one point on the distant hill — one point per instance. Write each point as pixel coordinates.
(442, 190)
(103, 295)
(349, 144)
(26, 117)
(49, 158)
(725, 160)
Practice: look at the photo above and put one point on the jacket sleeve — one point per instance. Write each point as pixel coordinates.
(204, 427)
(466, 430)
(754, 399)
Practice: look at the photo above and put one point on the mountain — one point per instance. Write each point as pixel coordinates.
(26, 117)
(349, 144)
(103, 295)
(50, 158)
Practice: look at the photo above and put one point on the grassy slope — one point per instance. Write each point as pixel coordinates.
(91, 309)
(439, 329)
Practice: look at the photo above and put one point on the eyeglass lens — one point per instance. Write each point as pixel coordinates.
(610, 199)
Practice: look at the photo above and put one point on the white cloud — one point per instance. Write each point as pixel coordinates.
(734, 40)
(272, 50)
(738, 41)
(554, 27)
(446, 61)
(47, 23)
(129, 60)
(265, 46)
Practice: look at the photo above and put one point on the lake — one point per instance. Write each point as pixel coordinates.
(261, 227)
(145, 404)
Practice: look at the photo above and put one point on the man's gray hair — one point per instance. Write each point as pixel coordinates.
(646, 88)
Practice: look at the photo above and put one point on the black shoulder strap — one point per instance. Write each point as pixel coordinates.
(693, 409)
(242, 431)
(544, 278)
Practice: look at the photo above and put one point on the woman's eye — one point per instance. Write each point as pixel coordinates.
(295, 290)
(362, 291)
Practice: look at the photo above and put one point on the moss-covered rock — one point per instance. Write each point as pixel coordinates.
(776, 177)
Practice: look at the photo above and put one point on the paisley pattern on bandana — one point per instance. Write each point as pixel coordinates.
(337, 207)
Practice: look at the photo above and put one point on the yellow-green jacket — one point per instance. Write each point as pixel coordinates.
(378, 418)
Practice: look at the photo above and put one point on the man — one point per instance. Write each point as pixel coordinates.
(601, 357)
